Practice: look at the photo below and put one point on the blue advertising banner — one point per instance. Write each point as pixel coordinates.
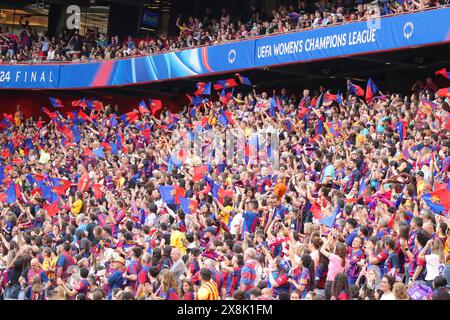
(408, 30)
(355, 38)
(29, 77)
(231, 56)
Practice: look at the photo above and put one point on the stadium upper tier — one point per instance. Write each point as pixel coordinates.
(384, 34)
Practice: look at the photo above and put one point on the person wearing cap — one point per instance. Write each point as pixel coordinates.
(115, 280)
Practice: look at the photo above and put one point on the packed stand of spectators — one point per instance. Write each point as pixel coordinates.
(85, 213)
(30, 46)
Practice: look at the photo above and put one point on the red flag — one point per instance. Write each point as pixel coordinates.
(52, 209)
(5, 153)
(9, 117)
(146, 134)
(179, 192)
(302, 112)
(39, 124)
(84, 116)
(106, 145)
(87, 152)
(98, 105)
(37, 190)
(443, 72)
(225, 193)
(97, 191)
(444, 92)
(314, 101)
(62, 189)
(155, 106)
(199, 172)
(39, 177)
(50, 114)
(83, 183)
(17, 161)
(132, 116)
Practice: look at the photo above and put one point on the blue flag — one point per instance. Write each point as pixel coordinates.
(11, 193)
(48, 194)
(166, 194)
(399, 201)
(435, 207)
(99, 152)
(76, 133)
(185, 203)
(113, 121)
(214, 187)
(114, 149)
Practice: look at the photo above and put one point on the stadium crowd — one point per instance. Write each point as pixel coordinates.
(96, 204)
(31, 46)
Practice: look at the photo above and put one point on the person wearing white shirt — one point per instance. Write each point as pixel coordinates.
(236, 224)
(435, 261)
(387, 284)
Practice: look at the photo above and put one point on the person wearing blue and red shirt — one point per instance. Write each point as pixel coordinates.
(415, 227)
(133, 269)
(35, 270)
(168, 288)
(248, 274)
(251, 219)
(277, 211)
(181, 222)
(321, 273)
(417, 265)
(352, 177)
(374, 256)
(35, 290)
(187, 289)
(234, 273)
(392, 263)
(82, 287)
(263, 181)
(278, 276)
(302, 278)
(354, 260)
(115, 279)
(142, 278)
(351, 230)
(65, 260)
(192, 264)
(216, 275)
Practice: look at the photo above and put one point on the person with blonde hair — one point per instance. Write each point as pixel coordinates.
(434, 260)
(169, 287)
(400, 291)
